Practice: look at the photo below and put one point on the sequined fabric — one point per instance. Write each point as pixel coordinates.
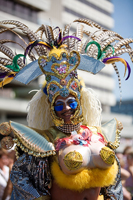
(31, 178)
(114, 192)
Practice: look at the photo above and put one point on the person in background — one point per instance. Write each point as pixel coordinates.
(4, 171)
(129, 168)
(9, 186)
(124, 176)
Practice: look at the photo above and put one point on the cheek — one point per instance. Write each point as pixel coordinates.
(58, 113)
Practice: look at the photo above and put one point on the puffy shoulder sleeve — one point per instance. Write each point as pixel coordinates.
(31, 141)
(27, 139)
(111, 131)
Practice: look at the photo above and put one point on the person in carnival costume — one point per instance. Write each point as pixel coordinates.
(65, 152)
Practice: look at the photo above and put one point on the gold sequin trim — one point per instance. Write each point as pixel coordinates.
(107, 155)
(31, 152)
(73, 160)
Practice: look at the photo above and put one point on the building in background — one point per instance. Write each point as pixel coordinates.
(14, 97)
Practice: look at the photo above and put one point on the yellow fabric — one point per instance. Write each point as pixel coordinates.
(86, 178)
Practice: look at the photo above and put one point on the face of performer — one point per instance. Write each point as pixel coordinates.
(65, 107)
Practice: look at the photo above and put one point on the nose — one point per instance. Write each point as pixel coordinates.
(66, 106)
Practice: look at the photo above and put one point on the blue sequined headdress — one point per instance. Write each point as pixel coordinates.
(60, 55)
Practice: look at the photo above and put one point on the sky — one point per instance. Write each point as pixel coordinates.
(123, 25)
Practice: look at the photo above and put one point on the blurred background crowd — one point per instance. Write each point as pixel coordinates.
(126, 162)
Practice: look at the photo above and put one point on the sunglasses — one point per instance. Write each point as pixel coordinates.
(70, 101)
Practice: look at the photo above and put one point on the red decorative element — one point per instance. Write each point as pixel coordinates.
(74, 86)
(85, 137)
(102, 139)
(76, 142)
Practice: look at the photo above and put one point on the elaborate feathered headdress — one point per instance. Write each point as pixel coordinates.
(60, 54)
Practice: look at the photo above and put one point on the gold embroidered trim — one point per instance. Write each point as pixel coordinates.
(114, 145)
(71, 80)
(31, 152)
(73, 160)
(64, 75)
(107, 155)
(53, 82)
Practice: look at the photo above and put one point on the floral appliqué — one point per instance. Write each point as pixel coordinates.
(61, 69)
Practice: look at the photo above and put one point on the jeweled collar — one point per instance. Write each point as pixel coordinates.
(68, 128)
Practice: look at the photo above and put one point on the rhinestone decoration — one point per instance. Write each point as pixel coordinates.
(64, 92)
(73, 60)
(74, 86)
(52, 89)
(79, 95)
(62, 69)
(68, 128)
(43, 62)
(63, 82)
(50, 97)
(48, 78)
(5, 128)
(64, 55)
(73, 74)
(53, 59)
(7, 143)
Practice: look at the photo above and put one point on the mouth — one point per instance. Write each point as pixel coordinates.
(68, 113)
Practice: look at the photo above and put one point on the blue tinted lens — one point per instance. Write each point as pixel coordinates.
(58, 108)
(73, 105)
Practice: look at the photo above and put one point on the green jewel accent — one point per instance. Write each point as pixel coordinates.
(64, 55)
(73, 60)
(48, 78)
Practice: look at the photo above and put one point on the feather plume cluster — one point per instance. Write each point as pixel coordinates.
(89, 38)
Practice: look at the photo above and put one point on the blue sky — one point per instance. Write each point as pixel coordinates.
(123, 19)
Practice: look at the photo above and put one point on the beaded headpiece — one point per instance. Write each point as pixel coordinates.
(60, 55)
(61, 76)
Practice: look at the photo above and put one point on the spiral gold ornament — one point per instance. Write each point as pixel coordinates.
(73, 160)
(107, 155)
